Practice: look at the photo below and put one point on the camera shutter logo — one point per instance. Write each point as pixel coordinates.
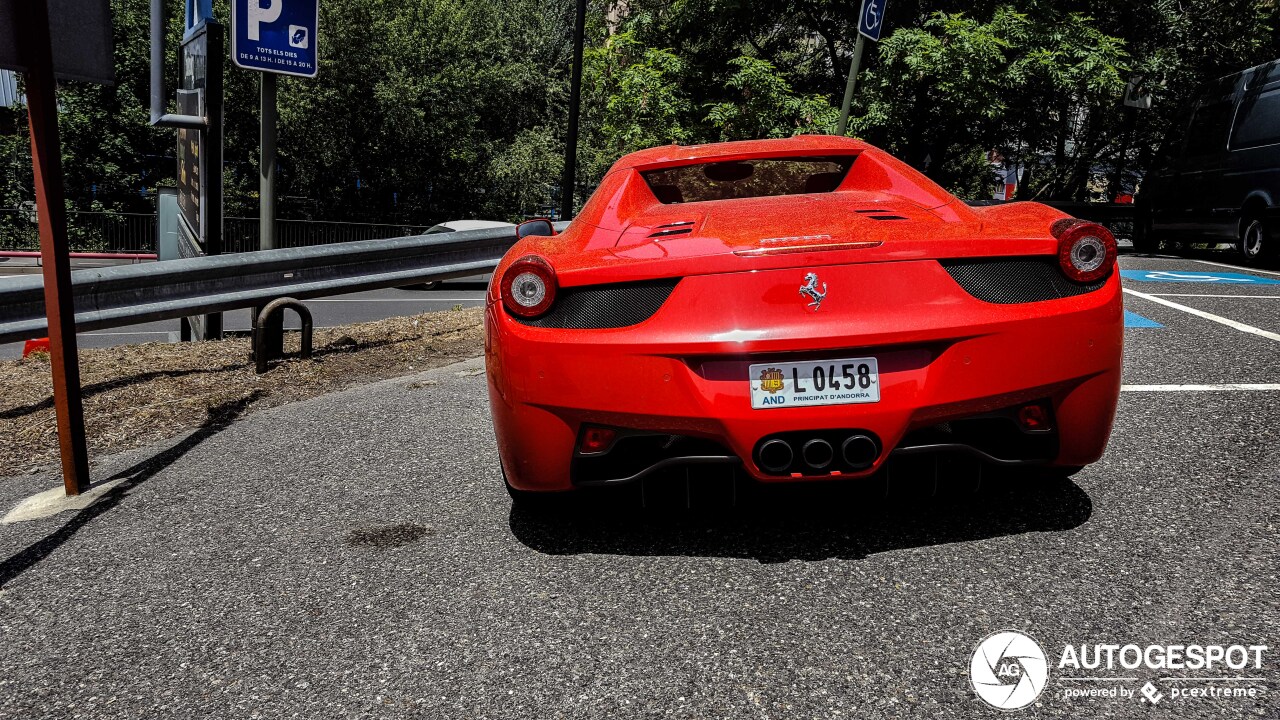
(1008, 670)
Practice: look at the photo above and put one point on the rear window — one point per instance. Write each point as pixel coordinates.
(737, 179)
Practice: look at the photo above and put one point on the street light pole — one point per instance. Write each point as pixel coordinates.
(568, 180)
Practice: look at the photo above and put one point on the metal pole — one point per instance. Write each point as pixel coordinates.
(269, 344)
(211, 146)
(36, 48)
(848, 88)
(158, 116)
(568, 182)
(267, 165)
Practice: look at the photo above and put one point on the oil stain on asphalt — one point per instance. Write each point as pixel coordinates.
(389, 536)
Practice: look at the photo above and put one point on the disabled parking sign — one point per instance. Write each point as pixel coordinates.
(871, 19)
(277, 36)
(1202, 278)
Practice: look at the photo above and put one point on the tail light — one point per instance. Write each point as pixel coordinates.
(529, 287)
(1086, 251)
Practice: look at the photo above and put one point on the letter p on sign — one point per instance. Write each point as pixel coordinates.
(258, 14)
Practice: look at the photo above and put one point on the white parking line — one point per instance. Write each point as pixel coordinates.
(1237, 267)
(1207, 316)
(1200, 388)
(1242, 297)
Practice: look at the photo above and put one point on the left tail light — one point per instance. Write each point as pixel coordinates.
(529, 287)
(1086, 251)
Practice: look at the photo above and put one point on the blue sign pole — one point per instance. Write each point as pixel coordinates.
(274, 37)
(870, 24)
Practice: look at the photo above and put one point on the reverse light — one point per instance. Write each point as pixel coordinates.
(596, 440)
(529, 287)
(1086, 251)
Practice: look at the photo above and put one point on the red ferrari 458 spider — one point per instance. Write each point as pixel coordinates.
(808, 308)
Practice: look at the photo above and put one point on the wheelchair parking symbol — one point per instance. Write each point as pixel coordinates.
(871, 21)
(1203, 278)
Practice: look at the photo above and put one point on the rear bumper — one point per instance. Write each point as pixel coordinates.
(943, 355)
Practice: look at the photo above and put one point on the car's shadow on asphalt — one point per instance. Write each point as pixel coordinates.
(800, 522)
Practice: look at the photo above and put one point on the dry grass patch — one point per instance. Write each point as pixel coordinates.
(136, 395)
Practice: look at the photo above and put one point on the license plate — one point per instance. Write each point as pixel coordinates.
(821, 382)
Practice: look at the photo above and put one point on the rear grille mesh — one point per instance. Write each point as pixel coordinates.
(599, 307)
(1008, 281)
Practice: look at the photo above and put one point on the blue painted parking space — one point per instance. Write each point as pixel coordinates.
(1202, 278)
(1134, 320)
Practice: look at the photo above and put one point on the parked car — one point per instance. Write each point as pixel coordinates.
(803, 309)
(457, 226)
(1220, 178)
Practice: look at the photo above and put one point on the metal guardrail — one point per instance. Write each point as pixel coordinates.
(136, 232)
(129, 294)
(242, 234)
(1104, 213)
(1116, 217)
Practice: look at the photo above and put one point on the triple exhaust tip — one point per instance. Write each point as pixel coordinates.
(817, 453)
(858, 451)
(776, 456)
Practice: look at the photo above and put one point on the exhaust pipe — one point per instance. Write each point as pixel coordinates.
(859, 452)
(776, 456)
(817, 453)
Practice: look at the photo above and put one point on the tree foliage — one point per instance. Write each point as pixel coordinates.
(429, 110)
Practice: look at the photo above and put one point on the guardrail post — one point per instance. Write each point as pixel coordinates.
(268, 332)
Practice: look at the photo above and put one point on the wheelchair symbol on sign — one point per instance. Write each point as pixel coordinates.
(1197, 277)
(872, 19)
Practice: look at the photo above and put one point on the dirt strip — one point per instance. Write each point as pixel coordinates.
(136, 395)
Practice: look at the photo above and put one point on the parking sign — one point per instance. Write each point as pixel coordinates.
(277, 36)
(871, 20)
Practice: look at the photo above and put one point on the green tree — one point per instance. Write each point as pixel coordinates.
(764, 105)
(429, 110)
(634, 101)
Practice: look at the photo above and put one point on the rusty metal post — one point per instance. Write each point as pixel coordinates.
(268, 331)
(36, 49)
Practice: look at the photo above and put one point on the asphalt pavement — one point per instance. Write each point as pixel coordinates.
(355, 555)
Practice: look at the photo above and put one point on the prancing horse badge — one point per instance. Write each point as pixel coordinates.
(810, 288)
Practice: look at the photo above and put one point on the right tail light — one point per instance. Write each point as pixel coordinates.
(1086, 250)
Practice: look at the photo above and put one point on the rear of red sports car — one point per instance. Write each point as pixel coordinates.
(808, 308)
